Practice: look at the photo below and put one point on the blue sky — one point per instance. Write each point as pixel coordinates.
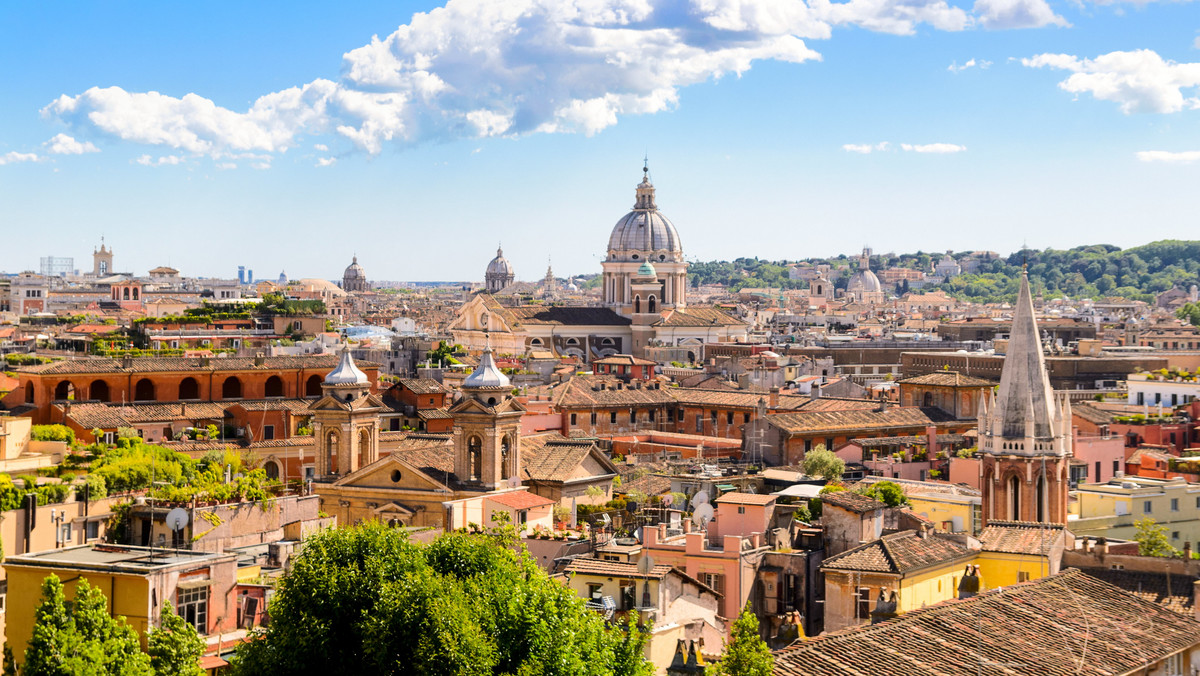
(284, 136)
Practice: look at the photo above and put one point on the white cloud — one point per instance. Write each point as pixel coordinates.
(480, 68)
(62, 144)
(326, 161)
(981, 64)
(15, 158)
(865, 148)
(1140, 81)
(1010, 14)
(321, 147)
(147, 161)
(1185, 157)
(937, 148)
(227, 165)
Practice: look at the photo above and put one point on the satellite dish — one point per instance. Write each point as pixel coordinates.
(645, 565)
(177, 518)
(700, 498)
(703, 514)
(668, 499)
(514, 481)
(605, 519)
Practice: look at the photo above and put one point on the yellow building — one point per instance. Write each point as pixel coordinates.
(925, 567)
(200, 585)
(1110, 509)
(951, 507)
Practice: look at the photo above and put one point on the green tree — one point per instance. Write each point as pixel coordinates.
(889, 493)
(81, 637)
(746, 654)
(823, 463)
(368, 600)
(1152, 539)
(1189, 312)
(174, 647)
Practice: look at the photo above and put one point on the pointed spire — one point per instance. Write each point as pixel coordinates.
(1025, 392)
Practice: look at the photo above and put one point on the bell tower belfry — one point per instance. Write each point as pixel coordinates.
(1025, 434)
(102, 260)
(345, 421)
(487, 428)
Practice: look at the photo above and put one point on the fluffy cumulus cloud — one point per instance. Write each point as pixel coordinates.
(16, 158)
(1008, 14)
(480, 68)
(1139, 81)
(1168, 157)
(62, 144)
(326, 161)
(165, 160)
(935, 148)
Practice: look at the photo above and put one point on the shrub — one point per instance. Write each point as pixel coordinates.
(52, 433)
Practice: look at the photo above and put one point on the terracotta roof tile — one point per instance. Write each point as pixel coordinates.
(857, 420)
(853, 502)
(1020, 537)
(947, 379)
(900, 553)
(1067, 624)
(521, 500)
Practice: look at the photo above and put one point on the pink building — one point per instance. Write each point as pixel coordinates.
(725, 558)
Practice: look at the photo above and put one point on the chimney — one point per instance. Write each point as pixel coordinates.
(1196, 599)
(1187, 551)
(931, 435)
(1102, 548)
(922, 532)
(127, 362)
(773, 398)
(259, 359)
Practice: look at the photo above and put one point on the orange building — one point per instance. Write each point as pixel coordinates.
(168, 379)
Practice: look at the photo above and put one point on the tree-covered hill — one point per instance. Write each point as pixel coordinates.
(1095, 271)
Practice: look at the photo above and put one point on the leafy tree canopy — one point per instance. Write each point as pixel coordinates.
(746, 654)
(823, 463)
(80, 637)
(889, 493)
(366, 600)
(175, 647)
(1152, 539)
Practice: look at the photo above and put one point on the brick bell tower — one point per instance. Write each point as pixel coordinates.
(1025, 432)
(487, 428)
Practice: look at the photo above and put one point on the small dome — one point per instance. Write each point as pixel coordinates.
(346, 372)
(354, 271)
(864, 281)
(487, 374)
(500, 265)
(647, 270)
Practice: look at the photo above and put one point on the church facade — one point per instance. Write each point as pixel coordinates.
(644, 292)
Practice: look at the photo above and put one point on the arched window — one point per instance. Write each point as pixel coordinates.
(231, 388)
(364, 447)
(29, 393)
(928, 399)
(1014, 498)
(312, 387)
(64, 390)
(189, 389)
(272, 469)
(144, 390)
(274, 387)
(637, 304)
(1041, 499)
(475, 450)
(504, 470)
(651, 304)
(98, 390)
(126, 293)
(331, 451)
(135, 293)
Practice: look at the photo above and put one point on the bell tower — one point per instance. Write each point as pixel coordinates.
(345, 421)
(487, 428)
(1025, 434)
(102, 260)
(647, 297)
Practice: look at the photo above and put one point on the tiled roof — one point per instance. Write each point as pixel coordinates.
(900, 553)
(745, 499)
(1092, 414)
(1170, 591)
(521, 500)
(436, 460)
(853, 502)
(1066, 624)
(293, 405)
(421, 385)
(624, 360)
(553, 457)
(857, 420)
(651, 484)
(1020, 537)
(174, 364)
(589, 566)
(875, 442)
(698, 317)
(105, 416)
(567, 316)
(580, 391)
(947, 379)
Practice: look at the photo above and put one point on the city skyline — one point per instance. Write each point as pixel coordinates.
(909, 126)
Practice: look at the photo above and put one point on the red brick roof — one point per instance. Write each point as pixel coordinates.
(900, 553)
(521, 500)
(1066, 624)
(1020, 537)
(853, 502)
(745, 499)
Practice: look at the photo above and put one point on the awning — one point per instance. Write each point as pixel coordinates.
(726, 487)
(800, 491)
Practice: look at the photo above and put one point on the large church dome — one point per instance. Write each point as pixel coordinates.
(500, 265)
(864, 281)
(354, 278)
(645, 233)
